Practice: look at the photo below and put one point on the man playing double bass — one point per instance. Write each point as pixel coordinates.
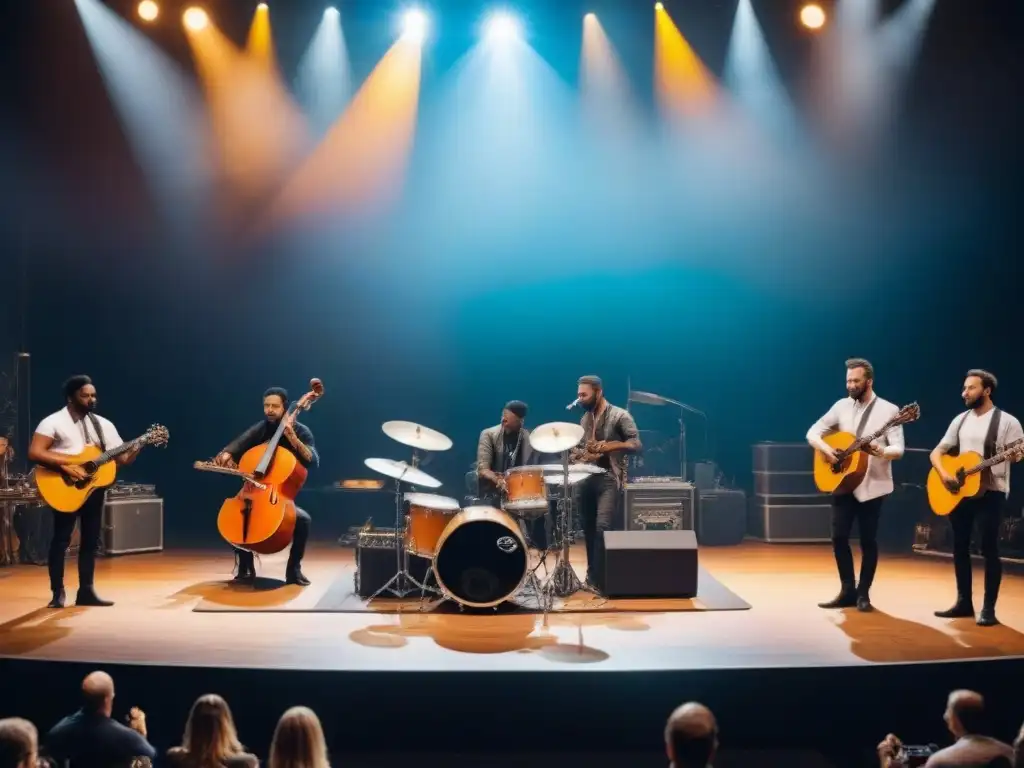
(298, 440)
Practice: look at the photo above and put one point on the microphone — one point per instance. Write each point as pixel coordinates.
(573, 404)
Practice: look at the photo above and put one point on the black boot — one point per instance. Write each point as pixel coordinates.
(962, 609)
(58, 599)
(88, 596)
(864, 603)
(293, 575)
(246, 568)
(847, 598)
(987, 617)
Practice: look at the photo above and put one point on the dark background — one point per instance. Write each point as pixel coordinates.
(907, 258)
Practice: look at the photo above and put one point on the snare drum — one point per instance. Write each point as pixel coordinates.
(526, 495)
(428, 516)
(481, 558)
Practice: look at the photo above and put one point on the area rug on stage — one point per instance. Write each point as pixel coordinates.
(341, 597)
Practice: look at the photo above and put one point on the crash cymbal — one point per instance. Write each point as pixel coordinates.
(402, 471)
(431, 501)
(416, 435)
(555, 437)
(579, 469)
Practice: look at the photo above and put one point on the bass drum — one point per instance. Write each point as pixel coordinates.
(481, 557)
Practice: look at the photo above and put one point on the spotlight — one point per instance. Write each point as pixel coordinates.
(812, 16)
(502, 26)
(195, 19)
(148, 10)
(414, 25)
(590, 18)
(659, 6)
(331, 11)
(262, 7)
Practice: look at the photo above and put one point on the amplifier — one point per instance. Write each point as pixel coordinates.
(132, 525)
(660, 505)
(650, 564)
(793, 519)
(722, 517)
(786, 484)
(783, 457)
(376, 562)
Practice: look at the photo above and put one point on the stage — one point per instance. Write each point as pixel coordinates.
(271, 643)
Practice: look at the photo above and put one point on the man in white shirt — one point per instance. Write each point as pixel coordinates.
(58, 437)
(985, 430)
(862, 413)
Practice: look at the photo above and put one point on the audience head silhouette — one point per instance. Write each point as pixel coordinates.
(965, 714)
(19, 743)
(210, 734)
(298, 741)
(691, 736)
(98, 693)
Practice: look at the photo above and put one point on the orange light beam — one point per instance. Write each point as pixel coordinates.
(684, 86)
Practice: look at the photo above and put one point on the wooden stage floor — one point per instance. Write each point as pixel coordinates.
(155, 595)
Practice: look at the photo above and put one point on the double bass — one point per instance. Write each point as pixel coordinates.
(261, 518)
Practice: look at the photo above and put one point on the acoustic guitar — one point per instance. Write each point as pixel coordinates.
(851, 463)
(63, 494)
(261, 517)
(966, 469)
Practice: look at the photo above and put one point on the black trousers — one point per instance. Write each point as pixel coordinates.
(90, 518)
(845, 510)
(600, 511)
(246, 560)
(986, 509)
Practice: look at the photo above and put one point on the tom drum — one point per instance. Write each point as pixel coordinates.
(525, 494)
(428, 516)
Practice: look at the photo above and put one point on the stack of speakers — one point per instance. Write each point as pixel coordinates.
(787, 506)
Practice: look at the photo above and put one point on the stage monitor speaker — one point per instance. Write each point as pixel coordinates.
(723, 517)
(650, 564)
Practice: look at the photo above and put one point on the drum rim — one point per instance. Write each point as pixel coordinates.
(481, 512)
(531, 468)
(414, 503)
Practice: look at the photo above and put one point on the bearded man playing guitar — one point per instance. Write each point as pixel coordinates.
(58, 437)
(862, 412)
(983, 430)
(298, 440)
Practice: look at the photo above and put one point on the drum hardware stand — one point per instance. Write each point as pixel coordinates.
(402, 578)
(563, 580)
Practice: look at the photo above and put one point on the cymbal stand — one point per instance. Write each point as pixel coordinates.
(564, 581)
(532, 585)
(403, 580)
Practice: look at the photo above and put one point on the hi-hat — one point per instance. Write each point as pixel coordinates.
(400, 470)
(555, 437)
(416, 435)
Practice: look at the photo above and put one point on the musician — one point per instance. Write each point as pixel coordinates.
(6, 457)
(609, 434)
(298, 440)
(862, 412)
(67, 433)
(986, 430)
(499, 449)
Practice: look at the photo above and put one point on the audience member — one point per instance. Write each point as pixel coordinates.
(691, 736)
(91, 738)
(298, 741)
(19, 743)
(210, 740)
(965, 718)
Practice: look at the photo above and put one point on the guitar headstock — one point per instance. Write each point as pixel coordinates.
(316, 391)
(907, 414)
(156, 435)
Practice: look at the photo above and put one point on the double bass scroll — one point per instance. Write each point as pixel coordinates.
(261, 518)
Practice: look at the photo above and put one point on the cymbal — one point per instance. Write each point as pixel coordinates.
(431, 501)
(574, 469)
(555, 436)
(416, 435)
(402, 471)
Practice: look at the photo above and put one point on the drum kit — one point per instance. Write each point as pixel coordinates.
(480, 555)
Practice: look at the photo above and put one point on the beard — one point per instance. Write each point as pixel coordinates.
(89, 407)
(973, 402)
(589, 406)
(858, 393)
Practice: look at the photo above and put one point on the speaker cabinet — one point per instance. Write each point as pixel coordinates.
(132, 525)
(722, 520)
(650, 564)
(376, 562)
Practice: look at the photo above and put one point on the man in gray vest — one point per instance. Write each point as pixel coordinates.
(985, 430)
(499, 449)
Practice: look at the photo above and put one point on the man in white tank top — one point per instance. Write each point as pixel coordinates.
(984, 430)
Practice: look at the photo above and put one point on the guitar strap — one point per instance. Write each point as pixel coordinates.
(864, 419)
(99, 431)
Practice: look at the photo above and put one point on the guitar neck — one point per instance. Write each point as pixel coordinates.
(999, 458)
(113, 453)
